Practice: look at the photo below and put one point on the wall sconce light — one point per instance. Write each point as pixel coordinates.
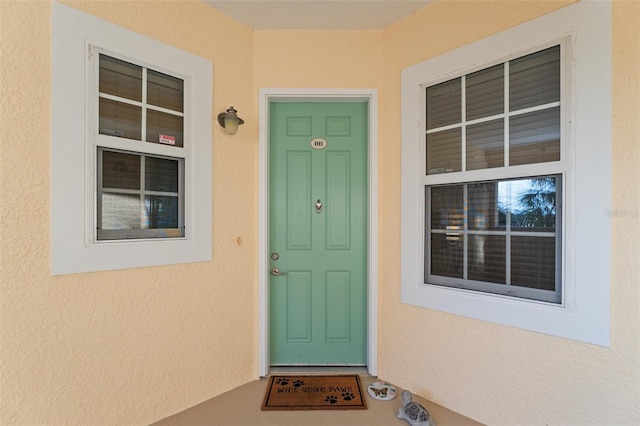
(230, 121)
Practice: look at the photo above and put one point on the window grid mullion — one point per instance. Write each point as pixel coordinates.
(506, 116)
(507, 239)
(165, 110)
(463, 131)
(181, 195)
(139, 104)
(142, 192)
(98, 196)
(119, 99)
(144, 105)
(465, 238)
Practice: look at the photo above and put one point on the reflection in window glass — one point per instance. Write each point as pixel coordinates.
(485, 93)
(447, 206)
(139, 196)
(485, 145)
(471, 122)
(161, 174)
(446, 255)
(444, 152)
(497, 236)
(167, 125)
(120, 170)
(124, 106)
(530, 203)
(444, 105)
(534, 137)
(165, 91)
(484, 211)
(534, 79)
(120, 78)
(533, 262)
(120, 119)
(161, 212)
(121, 211)
(487, 259)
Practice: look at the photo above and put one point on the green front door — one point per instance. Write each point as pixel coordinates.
(318, 233)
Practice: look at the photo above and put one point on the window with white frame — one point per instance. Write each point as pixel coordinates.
(501, 234)
(139, 194)
(506, 177)
(131, 169)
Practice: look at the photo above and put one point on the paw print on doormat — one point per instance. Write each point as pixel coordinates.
(331, 399)
(347, 396)
(298, 383)
(282, 381)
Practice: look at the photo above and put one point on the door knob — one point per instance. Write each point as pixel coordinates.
(275, 272)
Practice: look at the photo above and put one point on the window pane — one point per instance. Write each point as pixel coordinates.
(121, 171)
(120, 211)
(532, 203)
(161, 212)
(446, 255)
(485, 92)
(120, 78)
(444, 152)
(444, 104)
(161, 174)
(447, 207)
(534, 79)
(165, 91)
(485, 145)
(487, 258)
(533, 262)
(485, 212)
(159, 123)
(120, 119)
(534, 137)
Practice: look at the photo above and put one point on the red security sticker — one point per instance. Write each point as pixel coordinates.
(169, 140)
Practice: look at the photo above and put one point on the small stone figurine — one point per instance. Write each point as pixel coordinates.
(414, 413)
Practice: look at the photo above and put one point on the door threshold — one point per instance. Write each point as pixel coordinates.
(306, 369)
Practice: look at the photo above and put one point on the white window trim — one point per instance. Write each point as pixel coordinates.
(73, 245)
(585, 313)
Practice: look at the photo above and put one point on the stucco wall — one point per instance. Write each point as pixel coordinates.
(493, 373)
(137, 345)
(318, 59)
(131, 346)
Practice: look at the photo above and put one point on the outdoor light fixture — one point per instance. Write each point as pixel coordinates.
(230, 121)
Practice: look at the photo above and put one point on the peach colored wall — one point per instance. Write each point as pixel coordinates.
(318, 59)
(137, 345)
(130, 346)
(493, 373)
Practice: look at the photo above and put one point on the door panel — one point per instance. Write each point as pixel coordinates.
(298, 214)
(338, 206)
(299, 307)
(318, 307)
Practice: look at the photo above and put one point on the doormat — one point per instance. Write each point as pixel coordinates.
(342, 392)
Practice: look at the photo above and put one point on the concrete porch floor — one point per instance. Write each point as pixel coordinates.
(241, 407)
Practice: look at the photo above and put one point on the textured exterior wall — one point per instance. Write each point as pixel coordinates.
(131, 346)
(493, 373)
(318, 59)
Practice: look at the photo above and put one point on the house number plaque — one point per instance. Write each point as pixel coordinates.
(318, 143)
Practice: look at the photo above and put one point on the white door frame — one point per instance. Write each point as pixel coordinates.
(266, 96)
